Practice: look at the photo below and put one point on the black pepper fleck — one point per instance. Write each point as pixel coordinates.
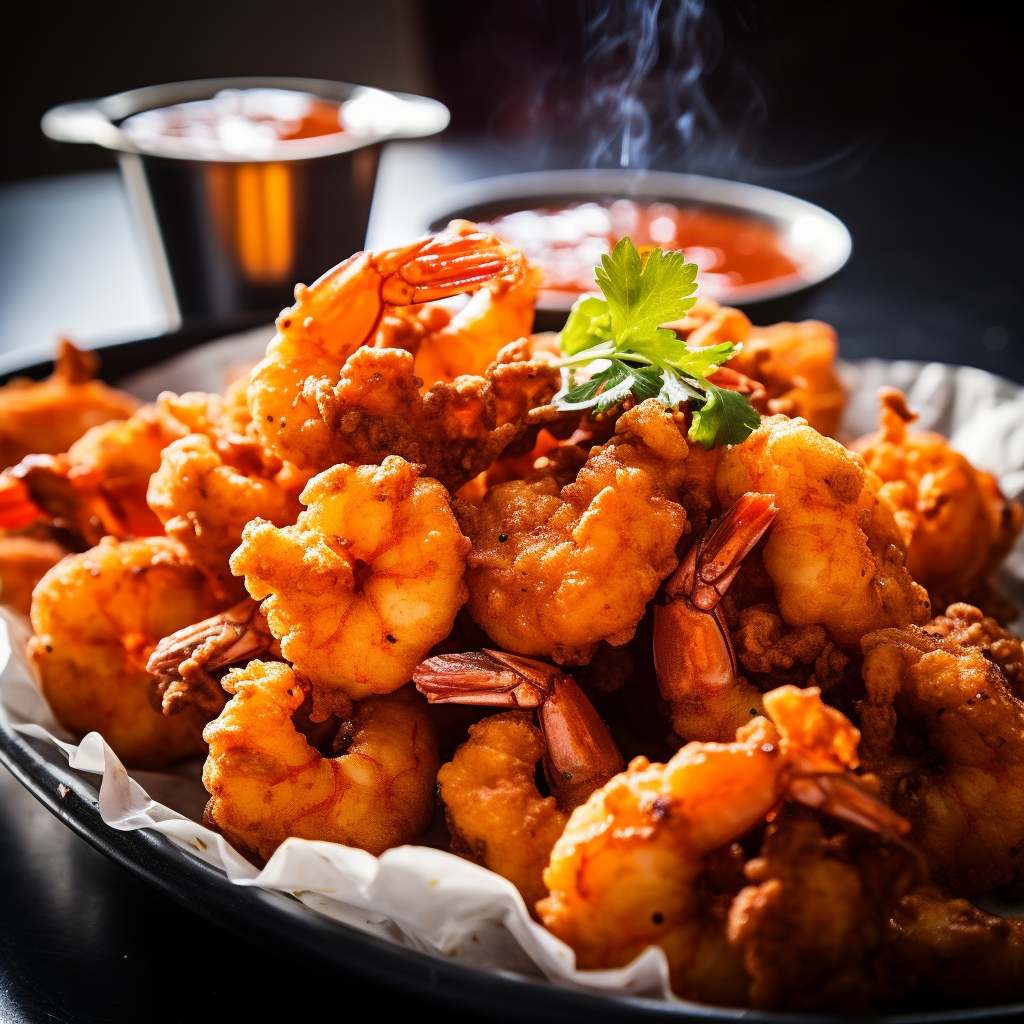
(657, 918)
(502, 537)
(391, 639)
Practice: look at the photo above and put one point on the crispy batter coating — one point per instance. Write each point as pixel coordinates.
(956, 952)
(342, 311)
(266, 782)
(24, 561)
(205, 503)
(495, 812)
(48, 416)
(454, 431)
(834, 553)
(555, 570)
(365, 583)
(96, 616)
(766, 646)
(626, 871)
(795, 362)
(956, 523)
(946, 735)
(813, 929)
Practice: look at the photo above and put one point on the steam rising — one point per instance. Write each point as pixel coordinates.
(656, 88)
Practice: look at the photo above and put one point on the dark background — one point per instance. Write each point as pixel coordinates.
(901, 118)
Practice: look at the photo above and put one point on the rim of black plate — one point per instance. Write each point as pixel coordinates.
(287, 927)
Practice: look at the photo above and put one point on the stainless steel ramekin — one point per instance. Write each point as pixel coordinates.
(233, 234)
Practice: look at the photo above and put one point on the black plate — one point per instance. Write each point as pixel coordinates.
(287, 928)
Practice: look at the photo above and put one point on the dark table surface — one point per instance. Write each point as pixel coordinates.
(935, 274)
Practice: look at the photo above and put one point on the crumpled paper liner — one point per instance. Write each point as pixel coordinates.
(424, 898)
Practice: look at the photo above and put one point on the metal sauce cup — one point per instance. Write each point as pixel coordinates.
(231, 233)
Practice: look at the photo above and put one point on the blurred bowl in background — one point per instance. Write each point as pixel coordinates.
(753, 246)
(244, 186)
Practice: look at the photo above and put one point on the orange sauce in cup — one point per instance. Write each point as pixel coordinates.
(240, 120)
(732, 251)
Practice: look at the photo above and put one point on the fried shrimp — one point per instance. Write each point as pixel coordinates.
(24, 561)
(956, 952)
(795, 362)
(946, 735)
(499, 313)
(555, 570)
(835, 554)
(364, 584)
(956, 523)
(98, 487)
(496, 814)
(266, 782)
(625, 872)
(454, 431)
(813, 928)
(96, 617)
(343, 311)
(205, 502)
(48, 416)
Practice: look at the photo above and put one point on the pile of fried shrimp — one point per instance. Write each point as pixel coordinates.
(754, 704)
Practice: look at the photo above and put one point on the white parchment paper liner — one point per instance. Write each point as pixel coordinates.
(420, 897)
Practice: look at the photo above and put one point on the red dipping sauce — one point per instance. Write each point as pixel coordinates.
(245, 123)
(732, 252)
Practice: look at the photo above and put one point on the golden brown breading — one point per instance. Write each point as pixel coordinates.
(97, 616)
(944, 732)
(454, 431)
(834, 553)
(555, 570)
(48, 416)
(813, 928)
(957, 525)
(495, 813)
(266, 782)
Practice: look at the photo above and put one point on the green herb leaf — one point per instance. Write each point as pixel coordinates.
(725, 418)
(628, 352)
(589, 324)
(644, 294)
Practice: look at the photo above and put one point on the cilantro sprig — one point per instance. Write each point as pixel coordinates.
(620, 345)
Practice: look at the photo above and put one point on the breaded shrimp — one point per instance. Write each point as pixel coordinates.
(956, 523)
(555, 570)
(795, 362)
(205, 501)
(813, 928)
(343, 311)
(267, 783)
(454, 431)
(96, 616)
(946, 735)
(835, 554)
(24, 561)
(48, 416)
(499, 313)
(98, 487)
(364, 584)
(495, 812)
(625, 872)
